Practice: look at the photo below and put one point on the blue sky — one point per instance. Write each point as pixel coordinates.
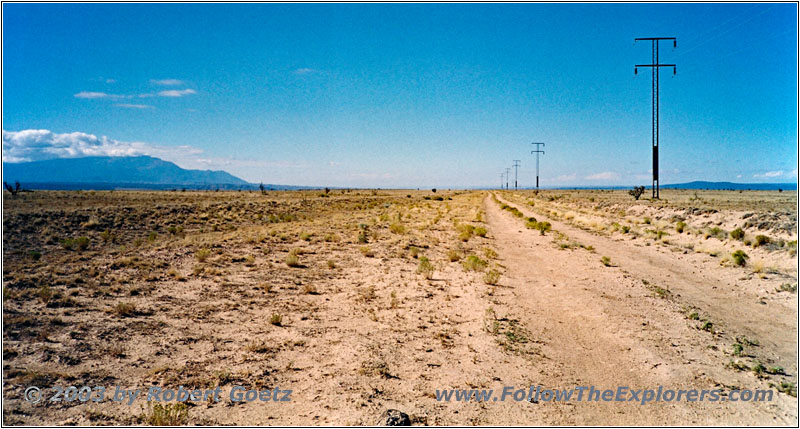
(407, 95)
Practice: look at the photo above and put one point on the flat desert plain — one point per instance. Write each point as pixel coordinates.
(360, 301)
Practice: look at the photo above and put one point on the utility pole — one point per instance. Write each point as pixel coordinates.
(502, 175)
(537, 152)
(655, 66)
(508, 173)
(516, 168)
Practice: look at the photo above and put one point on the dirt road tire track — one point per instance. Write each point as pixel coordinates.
(602, 327)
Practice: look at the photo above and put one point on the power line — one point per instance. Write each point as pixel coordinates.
(656, 66)
(516, 167)
(508, 173)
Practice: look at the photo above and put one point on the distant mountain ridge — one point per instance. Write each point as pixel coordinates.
(132, 170)
(734, 186)
(699, 185)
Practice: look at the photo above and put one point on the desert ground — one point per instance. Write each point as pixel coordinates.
(360, 301)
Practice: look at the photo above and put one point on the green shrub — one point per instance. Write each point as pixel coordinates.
(45, 293)
(787, 387)
(125, 309)
(68, 243)
(737, 234)
(739, 258)
(425, 267)
(397, 228)
(636, 192)
(491, 277)
(176, 414)
(107, 236)
(474, 263)
(82, 243)
(718, 232)
(366, 251)
(543, 227)
(776, 370)
(292, 260)
(761, 240)
(453, 255)
(480, 231)
(202, 254)
(680, 226)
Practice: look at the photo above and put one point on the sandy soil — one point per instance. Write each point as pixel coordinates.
(365, 301)
(605, 328)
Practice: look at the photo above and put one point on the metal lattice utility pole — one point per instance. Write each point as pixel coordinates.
(502, 176)
(508, 173)
(537, 152)
(516, 168)
(656, 66)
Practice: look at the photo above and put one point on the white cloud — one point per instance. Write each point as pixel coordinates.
(170, 82)
(769, 174)
(166, 93)
(92, 94)
(37, 145)
(567, 177)
(372, 176)
(111, 81)
(135, 106)
(606, 175)
(176, 92)
(305, 71)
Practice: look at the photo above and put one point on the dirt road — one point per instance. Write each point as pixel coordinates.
(603, 326)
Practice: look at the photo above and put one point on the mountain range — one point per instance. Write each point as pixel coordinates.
(147, 172)
(107, 172)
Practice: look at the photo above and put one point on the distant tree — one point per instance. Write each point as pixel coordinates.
(327, 190)
(15, 190)
(261, 187)
(636, 192)
(433, 190)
